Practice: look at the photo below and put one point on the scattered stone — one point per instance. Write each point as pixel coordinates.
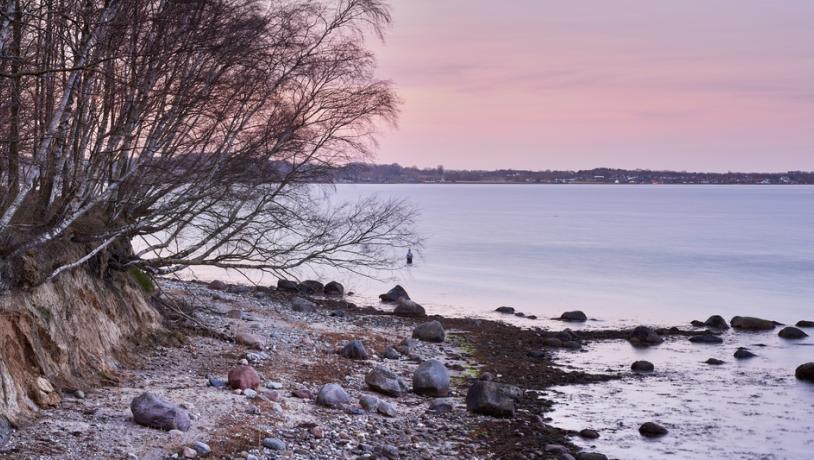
(311, 287)
(332, 395)
(589, 434)
(537, 354)
(338, 314)
(273, 385)
(409, 309)
(253, 410)
(431, 331)
(714, 362)
(391, 353)
(274, 444)
(487, 398)
(217, 285)
(393, 295)
(243, 377)
(520, 314)
(506, 310)
(369, 403)
(201, 448)
(792, 333)
(574, 316)
(591, 456)
(652, 430)
(531, 317)
(249, 393)
(354, 349)
(643, 336)
(79, 394)
(317, 432)
(303, 305)
(441, 405)
(743, 353)
(748, 323)
(386, 409)
(287, 285)
(385, 381)
(642, 366)
(431, 378)
(301, 393)
(249, 340)
(407, 347)
(716, 322)
(387, 451)
(706, 338)
(555, 449)
(805, 323)
(189, 452)
(334, 289)
(155, 412)
(803, 372)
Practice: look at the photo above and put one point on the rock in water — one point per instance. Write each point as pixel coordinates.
(706, 338)
(287, 285)
(696, 323)
(743, 353)
(332, 395)
(589, 434)
(804, 372)
(249, 340)
(155, 412)
(506, 310)
(394, 294)
(652, 430)
(716, 322)
(590, 456)
(792, 333)
(748, 323)
(574, 316)
(431, 331)
(642, 366)
(805, 324)
(409, 309)
(431, 379)
(487, 398)
(714, 362)
(643, 336)
(385, 381)
(354, 350)
(303, 305)
(334, 289)
(243, 377)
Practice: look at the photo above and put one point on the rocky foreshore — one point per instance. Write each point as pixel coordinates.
(298, 371)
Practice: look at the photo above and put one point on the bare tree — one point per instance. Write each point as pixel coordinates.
(195, 129)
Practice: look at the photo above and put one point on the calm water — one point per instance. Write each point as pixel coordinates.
(659, 255)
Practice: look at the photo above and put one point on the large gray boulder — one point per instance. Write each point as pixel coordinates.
(652, 430)
(748, 323)
(431, 379)
(805, 372)
(303, 305)
(792, 333)
(393, 295)
(488, 398)
(385, 381)
(332, 395)
(155, 412)
(408, 308)
(431, 331)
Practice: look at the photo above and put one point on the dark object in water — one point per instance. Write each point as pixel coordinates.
(409, 257)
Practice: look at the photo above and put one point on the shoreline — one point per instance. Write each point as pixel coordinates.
(299, 354)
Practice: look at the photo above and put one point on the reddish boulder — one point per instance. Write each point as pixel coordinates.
(243, 377)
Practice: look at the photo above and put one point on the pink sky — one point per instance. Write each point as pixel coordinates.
(685, 84)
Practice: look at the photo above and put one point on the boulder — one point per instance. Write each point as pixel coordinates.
(155, 412)
(408, 308)
(487, 398)
(643, 336)
(696, 323)
(311, 287)
(243, 377)
(249, 340)
(303, 305)
(334, 288)
(354, 349)
(394, 294)
(390, 353)
(805, 372)
(792, 333)
(805, 323)
(716, 322)
(431, 378)
(714, 362)
(386, 409)
(589, 434)
(287, 286)
(431, 331)
(706, 338)
(642, 366)
(505, 310)
(743, 353)
(441, 405)
(652, 430)
(574, 316)
(217, 285)
(369, 403)
(385, 381)
(748, 323)
(407, 347)
(332, 395)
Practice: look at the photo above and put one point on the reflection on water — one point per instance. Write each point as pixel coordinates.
(753, 409)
